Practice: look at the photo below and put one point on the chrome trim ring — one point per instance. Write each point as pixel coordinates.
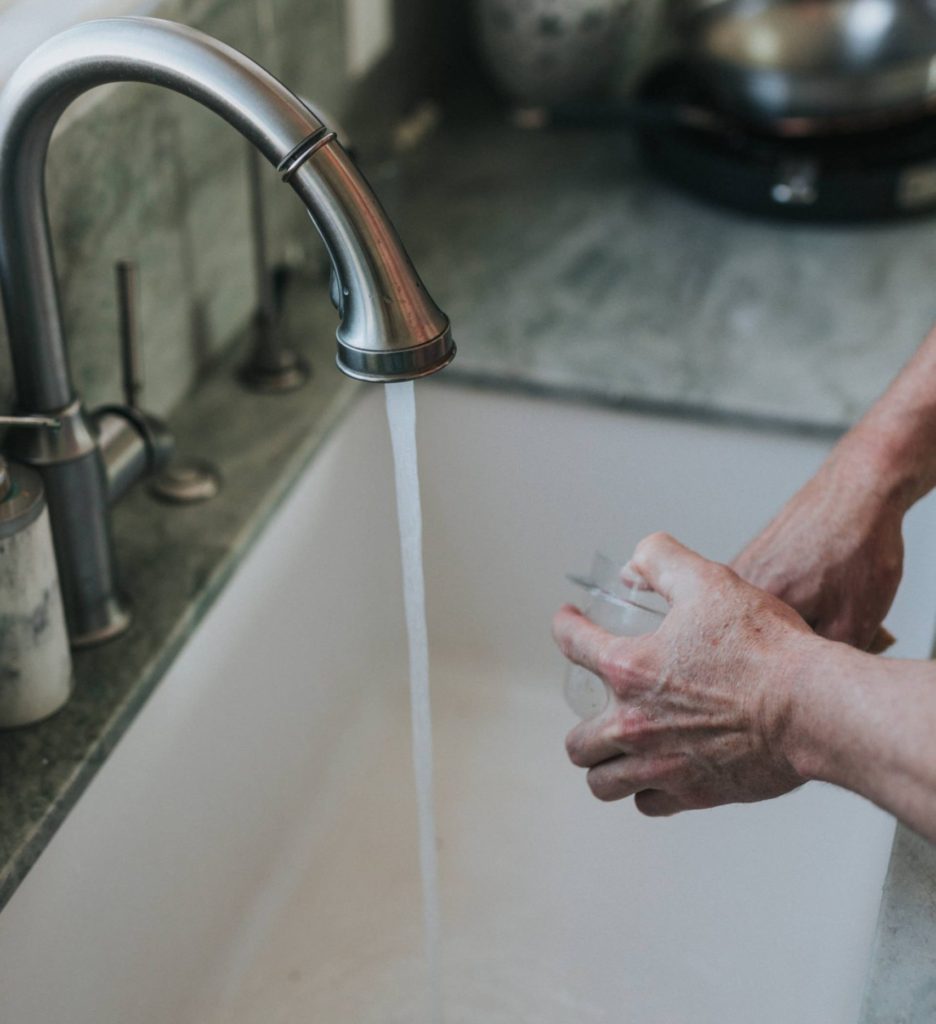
(397, 364)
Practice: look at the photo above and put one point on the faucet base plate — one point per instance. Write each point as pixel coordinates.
(278, 380)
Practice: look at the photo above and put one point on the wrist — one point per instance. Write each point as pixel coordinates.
(818, 674)
(889, 468)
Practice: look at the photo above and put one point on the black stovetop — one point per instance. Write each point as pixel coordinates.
(885, 172)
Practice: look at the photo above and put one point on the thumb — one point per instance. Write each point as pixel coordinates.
(672, 570)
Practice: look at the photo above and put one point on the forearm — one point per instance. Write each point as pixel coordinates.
(868, 724)
(895, 441)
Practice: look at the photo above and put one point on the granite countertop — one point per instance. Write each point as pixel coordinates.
(565, 269)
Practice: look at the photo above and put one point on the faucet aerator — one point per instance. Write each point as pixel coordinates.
(390, 365)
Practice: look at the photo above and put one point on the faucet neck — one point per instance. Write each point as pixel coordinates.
(91, 54)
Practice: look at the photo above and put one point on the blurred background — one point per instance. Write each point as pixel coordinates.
(810, 109)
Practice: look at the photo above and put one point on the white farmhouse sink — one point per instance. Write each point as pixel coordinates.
(248, 853)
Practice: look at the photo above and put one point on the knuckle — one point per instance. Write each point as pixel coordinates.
(715, 576)
(612, 664)
(630, 671)
(651, 542)
(702, 799)
(632, 727)
(649, 773)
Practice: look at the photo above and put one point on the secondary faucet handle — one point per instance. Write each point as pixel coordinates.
(180, 481)
(133, 444)
(131, 363)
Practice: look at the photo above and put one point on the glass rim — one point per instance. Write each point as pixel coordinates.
(621, 600)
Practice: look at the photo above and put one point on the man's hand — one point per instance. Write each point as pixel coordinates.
(834, 553)
(700, 710)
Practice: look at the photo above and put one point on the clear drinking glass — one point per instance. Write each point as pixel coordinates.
(624, 606)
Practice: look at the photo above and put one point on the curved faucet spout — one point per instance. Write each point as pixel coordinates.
(390, 328)
(385, 310)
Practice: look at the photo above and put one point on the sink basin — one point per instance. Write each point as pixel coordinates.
(248, 852)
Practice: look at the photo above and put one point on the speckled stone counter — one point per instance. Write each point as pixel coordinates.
(566, 267)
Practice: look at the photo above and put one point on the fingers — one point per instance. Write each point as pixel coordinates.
(614, 779)
(851, 627)
(594, 741)
(632, 578)
(671, 569)
(581, 641)
(668, 567)
(643, 779)
(627, 664)
(624, 776)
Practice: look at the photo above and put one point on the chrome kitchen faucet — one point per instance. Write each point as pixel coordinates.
(390, 329)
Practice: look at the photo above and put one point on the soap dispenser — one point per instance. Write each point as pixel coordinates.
(35, 662)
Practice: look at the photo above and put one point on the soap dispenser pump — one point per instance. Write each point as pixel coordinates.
(35, 662)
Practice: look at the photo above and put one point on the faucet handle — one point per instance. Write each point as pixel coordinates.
(178, 481)
(30, 421)
(126, 274)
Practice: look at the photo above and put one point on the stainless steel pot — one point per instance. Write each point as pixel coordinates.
(814, 66)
